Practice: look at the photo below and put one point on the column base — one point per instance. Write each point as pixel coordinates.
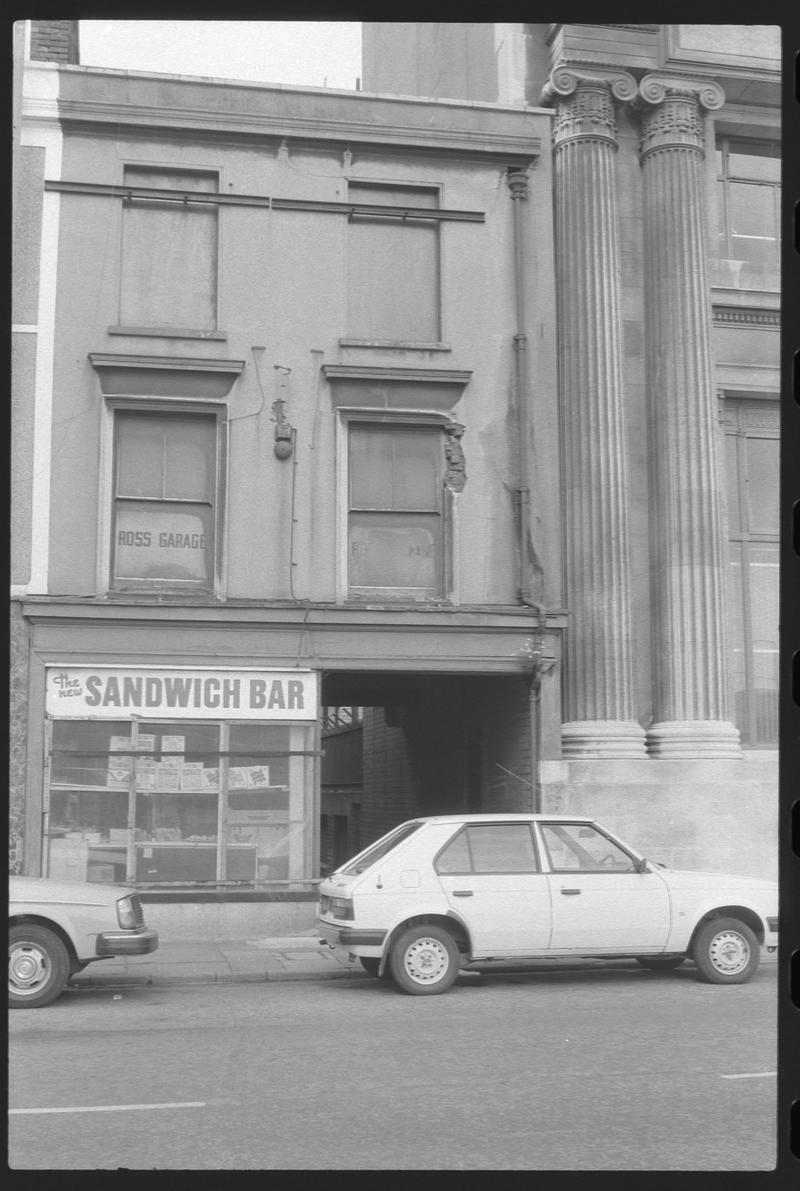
(602, 738)
(694, 738)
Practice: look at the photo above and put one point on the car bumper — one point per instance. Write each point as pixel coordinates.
(127, 942)
(349, 937)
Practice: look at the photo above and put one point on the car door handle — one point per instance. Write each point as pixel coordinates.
(462, 893)
(566, 892)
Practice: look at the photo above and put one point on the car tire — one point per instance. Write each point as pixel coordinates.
(660, 963)
(38, 966)
(725, 951)
(424, 960)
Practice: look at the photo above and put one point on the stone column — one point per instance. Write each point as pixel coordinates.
(691, 715)
(599, 671)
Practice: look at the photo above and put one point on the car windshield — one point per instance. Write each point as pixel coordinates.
(379, 849)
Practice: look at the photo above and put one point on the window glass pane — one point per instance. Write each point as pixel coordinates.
(455, 858)
(394, 468)
(763, 463)
(395, 550)
(574, 846)
(393, 281)
(259, 796)
(502, 848)
(163, 541)
(732, 481)
(736, 667)
(753, 222)
(169, 255)
(140, 457)
(759, 160)
(764, 574)
(381, 847)
(189, 459)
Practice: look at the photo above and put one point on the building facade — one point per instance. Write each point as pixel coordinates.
(392, 452)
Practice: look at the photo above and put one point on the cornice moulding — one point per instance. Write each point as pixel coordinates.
(469, 141)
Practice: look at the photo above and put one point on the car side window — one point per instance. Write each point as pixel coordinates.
(575, 847)
(490, 848)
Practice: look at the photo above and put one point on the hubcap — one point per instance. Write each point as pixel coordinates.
(28, 968)
(426, 961)
(729, 952)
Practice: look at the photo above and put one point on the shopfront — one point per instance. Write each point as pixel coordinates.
(180, 776)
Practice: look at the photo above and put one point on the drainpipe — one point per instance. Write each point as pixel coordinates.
(518, 185)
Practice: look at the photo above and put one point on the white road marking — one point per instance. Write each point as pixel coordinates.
(110, 1107)
(752, 1075)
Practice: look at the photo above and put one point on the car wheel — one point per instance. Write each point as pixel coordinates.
(660, 963)
(38, 966)
(424, 960)
(725, 951)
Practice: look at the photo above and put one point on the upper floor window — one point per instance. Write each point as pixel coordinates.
(752, 471)
(165, 500)
(393, 267)
(748, 197)
(396, 535)
(169, 253)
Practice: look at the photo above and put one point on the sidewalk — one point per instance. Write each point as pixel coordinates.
(237, 961)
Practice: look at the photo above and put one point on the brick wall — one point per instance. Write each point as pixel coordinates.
(54, 41)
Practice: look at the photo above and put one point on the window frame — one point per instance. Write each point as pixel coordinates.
(300, 853)
(579, 869)
(376, 187)
(722, 180)
(482, 872)
(154, 407)
(397, 418)
(172, 330)
(739, 535)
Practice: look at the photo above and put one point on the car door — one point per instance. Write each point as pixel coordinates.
(492, 879)
(600, 902)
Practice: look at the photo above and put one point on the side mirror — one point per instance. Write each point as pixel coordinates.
(642, 866)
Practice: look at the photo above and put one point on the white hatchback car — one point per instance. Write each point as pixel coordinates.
(55, 928)
(446, 892)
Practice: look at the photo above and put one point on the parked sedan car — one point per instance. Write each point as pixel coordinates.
(57, 927)
(441, 893)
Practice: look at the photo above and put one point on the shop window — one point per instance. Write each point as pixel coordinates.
(180, 803)
(748, 213)
(393, 267)
(169, 252)
(752, 469)
(165, 500)
(396, 511)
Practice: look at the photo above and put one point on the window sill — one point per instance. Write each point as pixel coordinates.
(167, 332)
(396, 345)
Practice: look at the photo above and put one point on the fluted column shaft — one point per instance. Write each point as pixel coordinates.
(691, 716)
(599, 670)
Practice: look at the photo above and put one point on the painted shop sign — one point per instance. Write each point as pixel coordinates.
(113, 692)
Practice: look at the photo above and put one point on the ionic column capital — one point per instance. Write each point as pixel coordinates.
(671, 116)
(566, 79)
(655, 88)
(585, 103)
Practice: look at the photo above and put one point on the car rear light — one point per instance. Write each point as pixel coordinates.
(341, 907)
(772, 924)
(129, 912)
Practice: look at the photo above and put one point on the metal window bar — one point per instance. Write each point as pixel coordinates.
(196, 197)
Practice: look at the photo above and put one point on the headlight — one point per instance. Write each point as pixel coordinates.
(341, 907)
(126, 913)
